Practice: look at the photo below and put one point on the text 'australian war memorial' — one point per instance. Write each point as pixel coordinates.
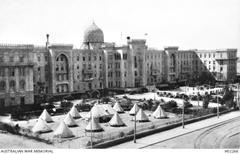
(27, 71)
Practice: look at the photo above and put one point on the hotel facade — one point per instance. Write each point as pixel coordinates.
(55, 69)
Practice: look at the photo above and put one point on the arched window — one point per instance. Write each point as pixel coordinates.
(61, 67)
(12, 85)
(2, 85)
(22, 85)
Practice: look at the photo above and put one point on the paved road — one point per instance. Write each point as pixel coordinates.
(211, 133)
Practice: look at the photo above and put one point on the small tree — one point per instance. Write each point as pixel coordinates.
(150, 104)
(206, 99)
(228, 97)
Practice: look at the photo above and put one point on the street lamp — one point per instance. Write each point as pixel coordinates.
(135, 126)
(91, 129)
(238, 95)
(217, 105)
(183, 113)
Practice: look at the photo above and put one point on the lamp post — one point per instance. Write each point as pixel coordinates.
(91, 129)
(183, 113)
(217, 106)
(238, 95)
(135, 126)
(183, 106)
(198, 98)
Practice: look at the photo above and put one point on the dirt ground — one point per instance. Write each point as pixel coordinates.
(9, 141)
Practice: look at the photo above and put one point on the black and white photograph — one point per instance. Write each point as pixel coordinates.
(119, 74)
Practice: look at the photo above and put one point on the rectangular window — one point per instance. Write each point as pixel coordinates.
(1, 59)
(84, 66)
(100, 58)
(2, 103)
(11, 72)
(135, 61)
(46, 58)
(125, 56)
(2, 72)
(135, 73)
(11, 58)
(22, 100)
(22, 71)
(12, 101)
(83, 58)
(221, 62)
(21, 58)
(39, 58)
(221, 69)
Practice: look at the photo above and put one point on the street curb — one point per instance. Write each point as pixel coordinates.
(111, 143)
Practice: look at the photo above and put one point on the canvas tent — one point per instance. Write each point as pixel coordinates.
(112, 99)
(63, 131)
(41, 127)
(134, 109)
(116, 121)
(101, 111)
(159, 113)
(68, 120)
(74, 113)
(45, 116)
(93, 126)
(141, 116)
(108, 109)
(117, 107)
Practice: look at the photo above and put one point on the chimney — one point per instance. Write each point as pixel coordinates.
(128, 39)
(47, 43)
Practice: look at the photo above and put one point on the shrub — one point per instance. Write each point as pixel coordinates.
(121, 134)
(187, 104)
(130, 132)
(125, 97)
(83, 107)
(151, 127)
(170, 104)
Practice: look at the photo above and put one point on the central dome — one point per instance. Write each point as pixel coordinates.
(93, 34)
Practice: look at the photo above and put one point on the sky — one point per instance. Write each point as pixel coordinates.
(189, 24)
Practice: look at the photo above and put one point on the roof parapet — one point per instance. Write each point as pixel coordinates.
(16, 46)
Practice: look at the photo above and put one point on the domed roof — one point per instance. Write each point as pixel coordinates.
(93, 34)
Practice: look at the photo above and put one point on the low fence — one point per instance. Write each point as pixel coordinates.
(117, 138)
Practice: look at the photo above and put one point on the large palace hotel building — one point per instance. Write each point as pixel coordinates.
(57, 69)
